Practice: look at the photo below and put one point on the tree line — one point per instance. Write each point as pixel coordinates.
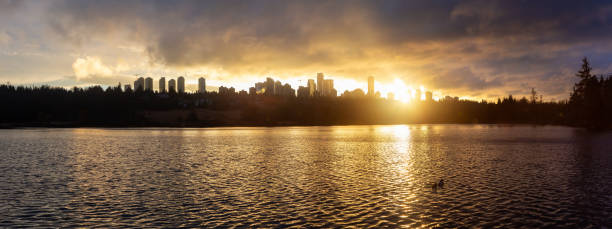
(589, 106)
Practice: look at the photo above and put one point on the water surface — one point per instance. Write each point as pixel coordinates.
(506, 176)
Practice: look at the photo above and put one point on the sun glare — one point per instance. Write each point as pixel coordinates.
(401, 92)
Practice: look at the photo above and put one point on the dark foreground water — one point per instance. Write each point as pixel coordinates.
(306, 176)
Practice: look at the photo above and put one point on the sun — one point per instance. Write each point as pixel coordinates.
(400, 90)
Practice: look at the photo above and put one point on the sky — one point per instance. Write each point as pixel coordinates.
(478, 49)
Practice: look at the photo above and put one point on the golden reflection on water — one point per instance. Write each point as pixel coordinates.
(310, 176)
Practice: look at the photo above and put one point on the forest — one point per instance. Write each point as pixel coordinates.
(589, 106)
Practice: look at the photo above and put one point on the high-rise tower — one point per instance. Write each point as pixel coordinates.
(162, 85)
(371, 91)
(172, 85)
(148, 85)
(201, 85)
(312, 87)
(320, 86)
(139, 84)
(181, 84)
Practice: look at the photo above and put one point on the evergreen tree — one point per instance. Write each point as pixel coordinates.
(586, 101)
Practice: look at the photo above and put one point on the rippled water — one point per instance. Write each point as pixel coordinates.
(306, 176)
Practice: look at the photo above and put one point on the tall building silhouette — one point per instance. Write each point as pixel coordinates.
(277, 87)
(328, 87)
(303, 92)
(428, 96)
(286, 90)
(172, 85)
(180, 84)
(127, 87)
(269, 86)
(201, 85)
(162, 85)
(371, 86)
(418, 95)
(260, 87)
(272, 87)
(320, 79)
(148, 84)
(139, 84)
(312, 87)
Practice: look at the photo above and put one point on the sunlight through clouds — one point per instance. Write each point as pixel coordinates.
(90, 66)
(459, 48)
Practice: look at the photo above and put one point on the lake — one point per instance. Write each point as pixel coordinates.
(336, 176)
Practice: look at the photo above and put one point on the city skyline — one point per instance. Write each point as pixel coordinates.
(306, 113)
(192, 85)
(270, 86)
(460, 48)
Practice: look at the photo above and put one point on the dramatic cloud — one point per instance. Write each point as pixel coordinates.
(474, 48)
(90, 66)
(92, 70)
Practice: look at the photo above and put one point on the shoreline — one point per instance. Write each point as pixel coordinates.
(60, 125)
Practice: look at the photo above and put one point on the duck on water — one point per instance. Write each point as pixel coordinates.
(439, 184)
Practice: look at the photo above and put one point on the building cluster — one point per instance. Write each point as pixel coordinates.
(322, 87)
(357, 93)
(174, 86)
(227, 91)
(271, 87)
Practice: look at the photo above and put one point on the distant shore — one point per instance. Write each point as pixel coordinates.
(589, 106)
(200, 125)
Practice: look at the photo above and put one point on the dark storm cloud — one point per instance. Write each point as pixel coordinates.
(177, 28)
(464, 78)
(475, 44)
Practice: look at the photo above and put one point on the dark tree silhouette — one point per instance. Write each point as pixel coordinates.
(589, 106)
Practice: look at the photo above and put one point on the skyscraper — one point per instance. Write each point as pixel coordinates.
(328, 87)
(312, 87)
(371, 86)
(303, 92)
(172, 86)
(260, 88)
(286, 90)
(272, 87)
(428, 96)
(162, 85)
(148, 84)
(278, 86)
(320, 79)
(127, 87)
(417, 97)
(139, 84)
(181, 84)
(201, 85)
(269, 86)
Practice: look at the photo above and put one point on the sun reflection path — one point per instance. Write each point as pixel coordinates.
(400, 137)
(401, 133)
(402, 171)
